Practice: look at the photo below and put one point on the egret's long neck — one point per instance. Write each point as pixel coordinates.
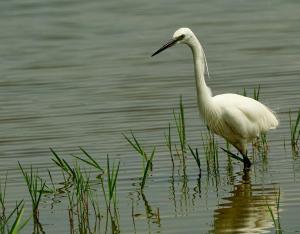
(204, 95)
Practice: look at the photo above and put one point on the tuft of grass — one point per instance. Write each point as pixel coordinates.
(147, 161)
(111, 195)
(138, 148)
(295, 131)
(63, 164)
(256, 93)
(83, 208)
(108, 187)
(82, 197)
(180, 126)
(3, 219)
(112, 175)
(14, 217)
(17, 226)
(210, 146)
(90, 160)
(35, 186)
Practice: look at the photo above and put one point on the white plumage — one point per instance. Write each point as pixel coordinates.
(237, 118)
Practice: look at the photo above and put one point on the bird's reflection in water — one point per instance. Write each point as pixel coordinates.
(246, 211)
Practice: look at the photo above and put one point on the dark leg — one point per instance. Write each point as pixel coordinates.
(245, 159)
(247, 163)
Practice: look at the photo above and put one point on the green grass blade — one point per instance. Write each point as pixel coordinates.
(182, 117)
(108, 177)
(14, 210)
(149, 162)
(196, 156)
(136, 145)
(57, 159)
(115, 176)
(232, 155)
(168, 139)
(141, 150)
(16, 225)
(93, 162)
(295, 127)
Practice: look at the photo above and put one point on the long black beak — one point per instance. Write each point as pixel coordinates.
(167, 45)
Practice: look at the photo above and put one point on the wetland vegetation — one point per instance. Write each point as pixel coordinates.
(90, 186)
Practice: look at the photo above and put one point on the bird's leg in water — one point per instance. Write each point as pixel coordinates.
(247, 163)
(245, 159)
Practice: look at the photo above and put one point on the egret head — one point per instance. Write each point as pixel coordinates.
(182, 35)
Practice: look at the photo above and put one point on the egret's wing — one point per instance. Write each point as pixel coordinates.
(236, 121)
(245, 116)
(260, 115)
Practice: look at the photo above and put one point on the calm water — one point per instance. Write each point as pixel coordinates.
(76, 73)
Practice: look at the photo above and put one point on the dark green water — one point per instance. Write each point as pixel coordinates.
(78, 73)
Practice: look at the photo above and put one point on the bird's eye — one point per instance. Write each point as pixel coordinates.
(181, 37)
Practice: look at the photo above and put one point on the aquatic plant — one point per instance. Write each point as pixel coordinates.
(62, 164)
(168, 141)
(146, 170)
(211, 153)
(256, 93)
(294, 131)
(276, 217)
(79, 198)
(10, 222)
(147, 161)
(196, 157)
(35, 186)
(137, 146)
(108, 187)
(83, 196)
(180, 126)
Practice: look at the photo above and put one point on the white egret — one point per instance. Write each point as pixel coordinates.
(236, 118)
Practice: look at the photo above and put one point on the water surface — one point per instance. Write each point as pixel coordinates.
(79, 73)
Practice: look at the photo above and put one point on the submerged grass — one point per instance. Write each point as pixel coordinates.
(276, 217)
